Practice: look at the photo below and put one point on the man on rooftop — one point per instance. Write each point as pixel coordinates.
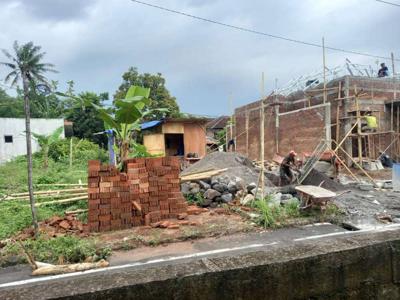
(383, 71)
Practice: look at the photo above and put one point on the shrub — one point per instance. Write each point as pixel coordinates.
(270, 214)
(83, 150)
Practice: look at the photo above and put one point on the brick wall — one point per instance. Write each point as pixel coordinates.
(147, 192)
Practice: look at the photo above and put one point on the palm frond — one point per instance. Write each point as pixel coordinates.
(7, 54)
(10, 65)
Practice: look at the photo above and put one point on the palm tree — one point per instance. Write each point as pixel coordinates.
(26, 65)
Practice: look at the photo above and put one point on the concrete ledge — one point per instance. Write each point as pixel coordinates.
(360, 266)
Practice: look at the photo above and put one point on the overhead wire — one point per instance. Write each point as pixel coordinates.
(387, 2)
(240, 28)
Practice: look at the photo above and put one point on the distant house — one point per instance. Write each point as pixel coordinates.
(12, 135)
(216, 125)
(184, 137)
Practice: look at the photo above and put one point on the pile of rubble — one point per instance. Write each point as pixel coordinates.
(57, 226)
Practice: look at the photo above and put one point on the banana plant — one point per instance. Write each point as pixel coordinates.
(45, 141)
(126, 118)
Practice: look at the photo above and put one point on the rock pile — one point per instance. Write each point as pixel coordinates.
(221, 189)
(224, 189)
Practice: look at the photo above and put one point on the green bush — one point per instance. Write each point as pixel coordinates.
(83, 150)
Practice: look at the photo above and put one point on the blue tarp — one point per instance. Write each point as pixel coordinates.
(150, 124)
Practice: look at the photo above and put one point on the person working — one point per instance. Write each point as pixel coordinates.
(383, 71)
(371, 123)
(287, 164)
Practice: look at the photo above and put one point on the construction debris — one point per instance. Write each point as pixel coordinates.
(56, 226)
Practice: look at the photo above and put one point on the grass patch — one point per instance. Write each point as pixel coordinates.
(68, 249)
(275, 215)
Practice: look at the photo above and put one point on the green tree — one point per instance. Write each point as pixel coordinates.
(27, 65)
(159, 94)
(46, 106)
(45, 141)
(11, 107)
(86, 121)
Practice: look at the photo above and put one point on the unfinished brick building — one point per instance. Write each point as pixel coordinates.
(302, 119)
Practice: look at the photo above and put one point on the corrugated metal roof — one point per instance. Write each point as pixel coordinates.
(150, 124)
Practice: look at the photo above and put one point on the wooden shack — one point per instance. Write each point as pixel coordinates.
(175, 137)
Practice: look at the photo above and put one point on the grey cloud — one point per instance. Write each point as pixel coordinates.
(55, 10)
(203, 63)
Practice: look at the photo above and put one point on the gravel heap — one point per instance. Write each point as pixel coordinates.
(237, 165)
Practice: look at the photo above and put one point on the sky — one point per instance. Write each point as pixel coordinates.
(210, 69)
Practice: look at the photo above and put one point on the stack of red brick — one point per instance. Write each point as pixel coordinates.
(147, 192)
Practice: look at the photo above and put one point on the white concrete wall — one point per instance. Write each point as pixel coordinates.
(16, 128)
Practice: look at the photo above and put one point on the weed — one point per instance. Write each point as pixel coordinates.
(197, 199)
(292, 208)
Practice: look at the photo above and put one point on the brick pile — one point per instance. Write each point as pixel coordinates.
(147, 192)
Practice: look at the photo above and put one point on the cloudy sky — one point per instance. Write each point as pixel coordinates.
(94, 41)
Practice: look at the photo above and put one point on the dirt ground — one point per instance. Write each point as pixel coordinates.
(207, 224)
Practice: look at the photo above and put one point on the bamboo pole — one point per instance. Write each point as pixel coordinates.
(359, 140)
(62, 201)
(262, 124)
(56, 196)
(358, 165)
(50, 192)
(70, 153)
(344, 165)
(345, 137)
(247, 133)
(324, 66)
(61, 184)
(337, 113)
(394, 92)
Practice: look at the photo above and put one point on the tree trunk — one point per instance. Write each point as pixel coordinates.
(29, 151)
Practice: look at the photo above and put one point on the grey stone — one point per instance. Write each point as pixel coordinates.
(214, 180)
(206, 202)
(211, 194)
(251, 186)
(224, 179)
(214, 205)
(185, 187)
(194, 190)
(396, 220)
(220, 187)
(232, 188)
(247, 199)
(240, 184)
(257, 192)
(194, 185)
(218, 199)
(227, 198)
(239, 194)
(204, 185)
(275, 199)
(286, 197)
(291, 200)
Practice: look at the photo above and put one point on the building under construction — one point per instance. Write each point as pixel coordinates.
(334, 112)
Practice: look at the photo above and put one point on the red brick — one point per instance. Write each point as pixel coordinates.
(104, 218)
